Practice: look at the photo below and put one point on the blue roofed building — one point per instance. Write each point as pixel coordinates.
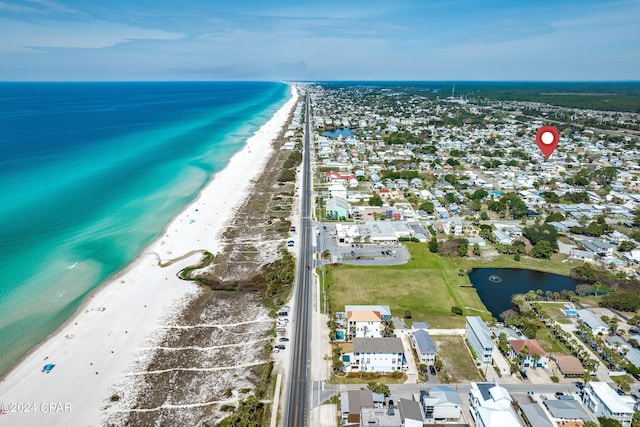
(422, 343)
(479, 339)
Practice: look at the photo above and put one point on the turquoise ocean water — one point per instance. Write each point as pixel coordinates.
(91, 173)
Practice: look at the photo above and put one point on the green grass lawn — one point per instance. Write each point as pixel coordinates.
(549, 343)
(460, 366)
(428, 285)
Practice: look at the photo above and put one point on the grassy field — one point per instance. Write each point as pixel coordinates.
(428, 285)
(549, 343)
(460, 367)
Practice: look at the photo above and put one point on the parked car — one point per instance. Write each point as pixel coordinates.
(290, 243)
(432, 370)
(283, 339)
(283, 313)
(279, 346)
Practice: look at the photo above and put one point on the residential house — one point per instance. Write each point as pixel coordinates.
(337, 190)
(596, 324)
(569, 366)
(454, 226)
(479, 339)
(476, 241)
(535, 354)
(603, 401)
(410, 413)
(441, 404)
(535, 414)
(633, 357)
(364, 323)
(566, 409)
(442, 213)
(382, 417)
(426, 351)
(586, 256)
(384, 310)
(337, 207)
(502, 237)
(351, 403)
(378, 354)
(491, 406)
(616, 343)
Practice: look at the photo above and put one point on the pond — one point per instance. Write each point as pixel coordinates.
(345, 132)
(495, 286)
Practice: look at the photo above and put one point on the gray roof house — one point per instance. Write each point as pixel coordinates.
(378, 354)
(568, 409)
(441, 403)
(479, 338)
(633, 356)
(423, 344)
(593, 322)
(410, 413)
(535, 414)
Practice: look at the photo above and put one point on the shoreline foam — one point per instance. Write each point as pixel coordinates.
(97, 346)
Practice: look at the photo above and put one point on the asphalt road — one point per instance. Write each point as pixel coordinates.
(297, 404)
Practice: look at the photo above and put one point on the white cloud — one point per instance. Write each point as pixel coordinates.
(29, 37)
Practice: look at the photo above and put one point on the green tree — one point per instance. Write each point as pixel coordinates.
(479, 194)
(554, 217)
(626, 246)
(463, 249)
(609, 422)
(476, 249)
(542, 249)
(433, 245)
(379, 388)
(427, 207)
(375, 200)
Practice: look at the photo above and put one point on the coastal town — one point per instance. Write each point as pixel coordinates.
(415, 195)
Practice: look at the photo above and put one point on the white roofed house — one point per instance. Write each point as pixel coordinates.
(603, 401)
(491, 406)
(378, 354)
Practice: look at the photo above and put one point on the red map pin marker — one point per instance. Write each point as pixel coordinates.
(547, 139)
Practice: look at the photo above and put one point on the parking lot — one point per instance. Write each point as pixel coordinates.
(360, 253)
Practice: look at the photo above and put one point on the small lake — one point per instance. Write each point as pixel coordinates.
(345, 132)
(495, 286)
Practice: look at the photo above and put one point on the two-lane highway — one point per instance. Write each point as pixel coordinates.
(297, 404)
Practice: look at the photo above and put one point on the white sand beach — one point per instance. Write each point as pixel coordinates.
(102, 342)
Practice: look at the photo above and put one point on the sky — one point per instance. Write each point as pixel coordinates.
(151, 40)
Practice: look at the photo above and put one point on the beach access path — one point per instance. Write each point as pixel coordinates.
(104, 341)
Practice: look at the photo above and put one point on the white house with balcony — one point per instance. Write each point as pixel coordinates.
(479, 339)
(491, 406)
(365, 323)
(378, 354)
(603, 401)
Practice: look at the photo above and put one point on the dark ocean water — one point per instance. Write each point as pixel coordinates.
(91, 173)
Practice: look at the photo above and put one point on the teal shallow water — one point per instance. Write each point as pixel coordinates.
(84, 193)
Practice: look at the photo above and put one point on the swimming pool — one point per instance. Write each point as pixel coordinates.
(340, 335)
(571, 312)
